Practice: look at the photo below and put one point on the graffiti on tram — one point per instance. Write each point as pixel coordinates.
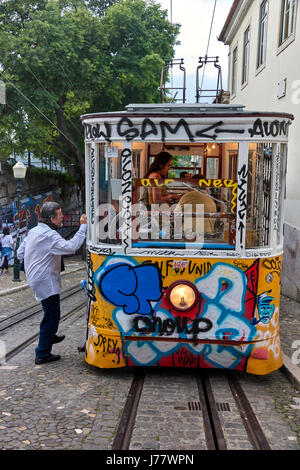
(228, 328)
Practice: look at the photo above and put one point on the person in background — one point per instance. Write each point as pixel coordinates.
(185, 174)
(42, 261)
(7, 243)
(21, 253)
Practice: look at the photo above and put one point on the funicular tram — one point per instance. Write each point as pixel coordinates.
(184, 261)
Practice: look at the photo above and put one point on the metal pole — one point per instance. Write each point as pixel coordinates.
(171, 21)
(18, 211)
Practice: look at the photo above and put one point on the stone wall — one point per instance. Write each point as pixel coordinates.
(290, 279)
(39, 181)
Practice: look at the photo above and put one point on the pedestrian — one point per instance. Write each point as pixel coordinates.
(43, 256)
(7, 245)
(21, 253)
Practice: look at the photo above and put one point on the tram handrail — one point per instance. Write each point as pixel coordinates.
(216, 215)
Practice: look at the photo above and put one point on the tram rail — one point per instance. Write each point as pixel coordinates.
(209, 407)
(31, 310)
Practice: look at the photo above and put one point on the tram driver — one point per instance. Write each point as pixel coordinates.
(159, 170)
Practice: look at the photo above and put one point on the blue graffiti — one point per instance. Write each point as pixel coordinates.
(265, 309)
(131, 287)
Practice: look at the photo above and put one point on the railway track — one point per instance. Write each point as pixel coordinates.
(213, 403)
(210, 412)
(21, 316)
(32, 310)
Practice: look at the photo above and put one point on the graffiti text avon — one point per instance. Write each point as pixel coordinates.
(158, 223)
(162, 130)
(168, 326)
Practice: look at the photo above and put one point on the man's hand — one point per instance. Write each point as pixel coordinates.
(83, 219)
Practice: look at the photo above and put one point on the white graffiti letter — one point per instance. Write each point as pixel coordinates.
(211, 287)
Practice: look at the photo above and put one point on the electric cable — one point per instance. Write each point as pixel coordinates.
(208, 43)
(34, 106)
(53, 99)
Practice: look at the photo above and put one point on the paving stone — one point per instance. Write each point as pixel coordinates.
(42, 406)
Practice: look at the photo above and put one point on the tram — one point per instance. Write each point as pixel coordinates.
(184, 257)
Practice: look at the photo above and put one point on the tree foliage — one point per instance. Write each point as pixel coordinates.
(64, 58)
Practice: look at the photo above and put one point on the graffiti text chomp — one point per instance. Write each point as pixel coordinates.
(170, 325)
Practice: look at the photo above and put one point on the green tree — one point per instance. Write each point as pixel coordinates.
(63, 58)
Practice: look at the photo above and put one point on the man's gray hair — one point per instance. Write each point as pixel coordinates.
(48, 210)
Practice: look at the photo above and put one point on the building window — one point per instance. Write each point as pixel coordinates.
(262, 38)
(234, 72)
(246, 55)
(288, 16)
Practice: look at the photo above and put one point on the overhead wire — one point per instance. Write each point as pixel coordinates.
(66, 76)
(35, 107)
(61, 67)
(208, 43)
(32, 104)
(52, 98)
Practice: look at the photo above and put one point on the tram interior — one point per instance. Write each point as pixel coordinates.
(204, 181)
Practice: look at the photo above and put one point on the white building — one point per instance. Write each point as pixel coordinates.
(264, 72)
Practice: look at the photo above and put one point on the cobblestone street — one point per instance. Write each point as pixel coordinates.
(72, 405)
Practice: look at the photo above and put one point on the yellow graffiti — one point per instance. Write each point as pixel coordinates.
(218, 183)
(156, 182)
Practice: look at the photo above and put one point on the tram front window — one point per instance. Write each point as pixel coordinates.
(199, 211)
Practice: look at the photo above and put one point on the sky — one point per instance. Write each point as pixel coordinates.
(195, 18)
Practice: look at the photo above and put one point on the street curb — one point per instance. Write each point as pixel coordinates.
(290, 370)
(26, 286)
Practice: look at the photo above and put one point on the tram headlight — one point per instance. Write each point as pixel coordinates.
(182, 295)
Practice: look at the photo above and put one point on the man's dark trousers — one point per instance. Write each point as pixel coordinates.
(48, 326)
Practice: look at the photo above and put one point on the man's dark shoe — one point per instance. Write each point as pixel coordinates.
(58, 339)
(50, 358)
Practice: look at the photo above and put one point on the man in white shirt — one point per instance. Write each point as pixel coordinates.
(43, 250)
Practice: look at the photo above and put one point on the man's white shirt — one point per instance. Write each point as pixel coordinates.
(43, 250)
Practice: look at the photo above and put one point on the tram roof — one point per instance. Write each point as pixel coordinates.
(185, 109)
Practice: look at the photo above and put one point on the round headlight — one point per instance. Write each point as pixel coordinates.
(182, 295)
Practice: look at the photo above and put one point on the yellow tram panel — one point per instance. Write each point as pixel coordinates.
(240, 298)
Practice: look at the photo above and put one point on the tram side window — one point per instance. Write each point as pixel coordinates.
(259, 195)
(280, 181)
(108, 223)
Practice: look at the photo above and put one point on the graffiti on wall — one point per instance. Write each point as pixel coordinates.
(30, 209)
